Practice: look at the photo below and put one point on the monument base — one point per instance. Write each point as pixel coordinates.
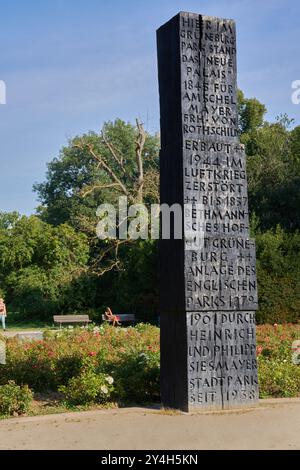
(215, 366)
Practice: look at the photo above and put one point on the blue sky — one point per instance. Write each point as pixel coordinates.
(69, 65)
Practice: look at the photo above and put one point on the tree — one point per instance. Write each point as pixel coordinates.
(120, 161)
(278, 266)
(295, 144)
(96, 168)
(8, 219)
(274, 174)
(39, 264)
(273, 165)
(251, 113)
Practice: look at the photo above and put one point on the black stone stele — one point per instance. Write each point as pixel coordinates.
(208, 287)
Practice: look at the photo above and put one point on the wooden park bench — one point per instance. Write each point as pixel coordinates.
(122, 318)
(71, 319)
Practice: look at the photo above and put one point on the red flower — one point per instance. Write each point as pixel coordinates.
(92, 353)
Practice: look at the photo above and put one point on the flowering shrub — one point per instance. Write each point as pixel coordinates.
(14, 399)
(88, 387)
(80, 362)
(278, 376)
(275, 341)
(81, 358)
(137, 376)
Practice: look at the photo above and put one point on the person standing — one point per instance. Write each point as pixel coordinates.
(3, 313)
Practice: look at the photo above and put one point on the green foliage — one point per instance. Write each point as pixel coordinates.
(274, 175)
(136, 286)
(41, 265)
(278, 266)
(51, 263)
(14, 399)
(251, 113)
(8, 219)
(45, 365)
(89, 365)
(137, 377)
(88, 387)
(273, 170)
(75, 185)
(295, 144)
(75, 170)
(99, 365)
(278, 376)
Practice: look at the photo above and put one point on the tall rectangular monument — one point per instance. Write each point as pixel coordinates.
(208, 287)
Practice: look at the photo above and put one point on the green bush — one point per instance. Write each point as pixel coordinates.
(14, 399)
(278, 273)
(88, 387)
(137, 377)
(67, 367)
(28, 363)
(278, 378)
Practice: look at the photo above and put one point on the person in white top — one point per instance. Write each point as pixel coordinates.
(3, 313)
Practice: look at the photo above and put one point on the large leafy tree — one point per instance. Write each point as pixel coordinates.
(274, 174)
(39, 263)
(122, 160)
(95, 168)
(251, 113)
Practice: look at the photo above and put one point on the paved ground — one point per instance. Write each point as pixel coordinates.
(24, 334)
(275, 424)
